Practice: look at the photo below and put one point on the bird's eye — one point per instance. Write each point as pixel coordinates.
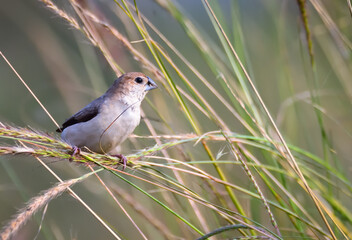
(138, 80)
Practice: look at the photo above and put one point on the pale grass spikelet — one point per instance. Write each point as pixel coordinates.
(39, 144)
(71, 20)
(49, 4)
(33, 206)
(16, 150)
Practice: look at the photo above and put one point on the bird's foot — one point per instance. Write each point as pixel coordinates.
(75, 150)
(123, 160)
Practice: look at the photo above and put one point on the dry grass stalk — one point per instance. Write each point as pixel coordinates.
(43, 145)
(33, 206)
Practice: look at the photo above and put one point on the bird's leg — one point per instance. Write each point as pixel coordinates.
(123, 160)
(75, 150)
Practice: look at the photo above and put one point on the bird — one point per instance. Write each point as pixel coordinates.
(107, 121)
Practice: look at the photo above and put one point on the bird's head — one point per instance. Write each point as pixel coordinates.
(133, 86)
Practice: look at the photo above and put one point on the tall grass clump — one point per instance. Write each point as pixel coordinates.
(248, 136)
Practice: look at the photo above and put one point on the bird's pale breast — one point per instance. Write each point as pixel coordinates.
(106, 131)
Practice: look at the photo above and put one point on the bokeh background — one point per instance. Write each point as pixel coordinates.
(65, 71)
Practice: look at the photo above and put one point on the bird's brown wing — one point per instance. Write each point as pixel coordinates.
(85, 114)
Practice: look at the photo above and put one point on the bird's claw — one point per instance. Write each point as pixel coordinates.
(75, 150)
(123, 160)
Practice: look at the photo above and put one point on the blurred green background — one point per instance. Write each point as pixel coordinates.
(66, 72)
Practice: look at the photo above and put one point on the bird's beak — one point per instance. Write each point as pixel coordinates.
(150, 85)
